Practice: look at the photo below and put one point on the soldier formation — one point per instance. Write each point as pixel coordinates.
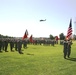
(13, 43)
(18, 44)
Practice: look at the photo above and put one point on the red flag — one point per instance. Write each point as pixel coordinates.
(69, 32)
(25, 35)
(31, 39)
(56, 37)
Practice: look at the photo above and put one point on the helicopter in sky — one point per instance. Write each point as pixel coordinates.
(42, 20)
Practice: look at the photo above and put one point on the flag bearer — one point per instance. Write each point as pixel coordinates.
(65, 48)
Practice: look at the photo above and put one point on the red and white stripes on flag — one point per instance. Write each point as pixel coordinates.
(69, 32)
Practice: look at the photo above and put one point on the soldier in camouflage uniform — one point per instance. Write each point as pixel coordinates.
(69, 48)
(5, 44)
(0, 45)
(65, 48)
(19, 46)
(11, 45)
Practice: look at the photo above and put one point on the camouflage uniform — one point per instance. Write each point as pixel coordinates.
(69, 48)
(65, 48)
(19, 46)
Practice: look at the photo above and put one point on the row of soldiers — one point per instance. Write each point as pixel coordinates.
(44, 42)
(17, 44)
(13, 43)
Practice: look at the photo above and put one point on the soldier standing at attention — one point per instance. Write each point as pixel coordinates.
(0, 45)
(3, 44)
(69, 48)
(15, 44)
(6, 44)
(24, 44)
(65, 48)
(19, 46)
(11, 45)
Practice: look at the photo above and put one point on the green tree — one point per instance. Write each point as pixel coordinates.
(62, 36)
(51, 37)
(74, 37)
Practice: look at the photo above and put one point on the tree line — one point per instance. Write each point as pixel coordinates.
(61, 36)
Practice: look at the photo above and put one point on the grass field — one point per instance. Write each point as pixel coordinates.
(38, 60)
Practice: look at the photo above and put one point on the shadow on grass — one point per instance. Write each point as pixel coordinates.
(72, 59)
(29, 54)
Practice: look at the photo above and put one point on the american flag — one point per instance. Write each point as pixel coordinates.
(69, 32)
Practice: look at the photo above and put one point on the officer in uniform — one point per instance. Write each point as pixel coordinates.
(19, 46)
(0, 45)
(6, 44)
(11, 45)
(16, 44)
(69, 48)
(24, 44)
(65, 48)
(3, 44)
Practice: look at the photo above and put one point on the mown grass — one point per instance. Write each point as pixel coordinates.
(38, 60)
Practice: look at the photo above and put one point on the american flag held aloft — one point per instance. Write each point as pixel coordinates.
(69, 32)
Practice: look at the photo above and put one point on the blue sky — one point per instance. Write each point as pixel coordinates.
(18, 15)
